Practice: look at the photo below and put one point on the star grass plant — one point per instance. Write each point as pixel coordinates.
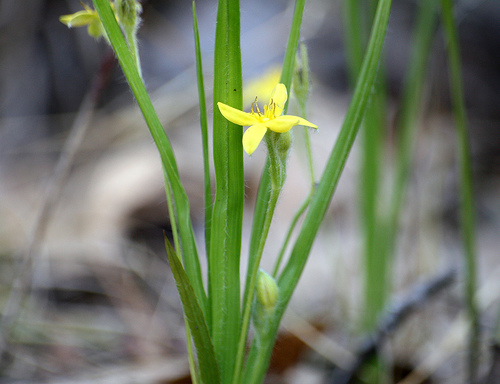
(217, 316)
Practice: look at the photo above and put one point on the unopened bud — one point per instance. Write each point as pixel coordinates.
(127, 12)
(267, 292)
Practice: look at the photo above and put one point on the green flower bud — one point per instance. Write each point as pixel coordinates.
(127, 12)
(267, 292)
(266, 299)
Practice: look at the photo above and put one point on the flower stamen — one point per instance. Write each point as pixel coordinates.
(256, 105)
(259, 123)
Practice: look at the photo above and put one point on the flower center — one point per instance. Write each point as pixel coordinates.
(269, 112)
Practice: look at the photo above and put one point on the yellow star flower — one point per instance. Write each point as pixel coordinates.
(260, 122)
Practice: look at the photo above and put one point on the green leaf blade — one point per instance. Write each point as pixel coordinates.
(209, 370)
(182, 213)
(227, 217)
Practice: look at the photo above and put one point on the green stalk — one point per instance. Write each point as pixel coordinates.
(227, 217)
(264, 193)
(181, 203)
(252, 280)
(260, 351)
(466, 185)
(131, 36)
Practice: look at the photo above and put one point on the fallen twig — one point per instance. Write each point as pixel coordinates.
(395, 316)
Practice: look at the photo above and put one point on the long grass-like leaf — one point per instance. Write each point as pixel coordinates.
(204, 133)
(209, 370)
(227, 218)
(182, 214)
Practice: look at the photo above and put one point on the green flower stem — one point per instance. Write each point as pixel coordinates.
(131, 36)
(264, 192)
(277, 172)
(260, 351)
(247, 304)
(466, 185)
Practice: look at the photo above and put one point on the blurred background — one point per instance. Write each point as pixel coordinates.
(85, 289)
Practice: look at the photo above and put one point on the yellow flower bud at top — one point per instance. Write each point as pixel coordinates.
(267, 292)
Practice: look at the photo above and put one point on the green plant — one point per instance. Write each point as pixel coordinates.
(217, 319)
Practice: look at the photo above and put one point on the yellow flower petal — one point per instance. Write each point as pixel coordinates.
(78, 19)
(278, 100)
(306, 123)
(236, 116)
(282, 123)
(279, 96)
(252, 137)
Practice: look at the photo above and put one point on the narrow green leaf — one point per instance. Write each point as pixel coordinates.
(182, 214)
(204, 133)
(209, 370)
(227, 217)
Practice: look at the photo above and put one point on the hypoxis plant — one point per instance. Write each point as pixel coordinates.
(217, 316)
